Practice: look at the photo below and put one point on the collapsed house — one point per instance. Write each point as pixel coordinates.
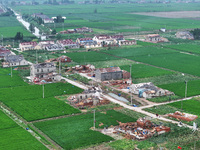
(62, 59)
(148, 90)
(182, 116)
(43, 72)
(14, 60)
(155, 38)
(184, 35)
(90, 97)
(84, 68)
(140, 130)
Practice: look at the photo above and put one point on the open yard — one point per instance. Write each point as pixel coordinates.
(13, 137)
(65, 131)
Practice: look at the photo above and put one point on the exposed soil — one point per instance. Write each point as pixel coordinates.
(173, 14)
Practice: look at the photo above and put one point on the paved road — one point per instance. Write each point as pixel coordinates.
(75, 83)
(137, 109)
(26, 24)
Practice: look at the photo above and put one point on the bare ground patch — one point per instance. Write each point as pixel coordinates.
(173, 14)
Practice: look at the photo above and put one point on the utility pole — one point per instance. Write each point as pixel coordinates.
(2, 39)
(11, 71)
(130, 72)
(185, 95)
(59, 67)
(131, 100)
(43, 89)
(63, 26)
(13, 43)
(94, 120)
(36, 56)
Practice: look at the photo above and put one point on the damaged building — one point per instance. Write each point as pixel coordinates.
(148, 90)
(43, 71)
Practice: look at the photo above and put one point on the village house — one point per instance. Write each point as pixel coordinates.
(62, 59)
(43, 71)
(148, 90)
(117, 37)
(45, 18)
(54, 47)
(4, 53)
(88, 43)
(68, 43)
(104, 39)
(112, 73)
(184, 35)
(44, 44)
(27, 46)
(155, 38)
(14, 60)
(83, 30)
(127, 42)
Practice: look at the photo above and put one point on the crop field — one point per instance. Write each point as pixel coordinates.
(84, 57)
(161, 57)
(36, 109)
(144, 71)
(139, 52)
(28, 102)
(13, 137)
(65, 131)
(193, 88)
(188, 106)
(190, 48)
(114, 18)
(7, 81)
(10, 26)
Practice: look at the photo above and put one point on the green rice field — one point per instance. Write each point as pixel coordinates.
(65, 131)
(144, 71)
(13, 137)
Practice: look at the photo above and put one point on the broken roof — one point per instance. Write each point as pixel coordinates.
(14, 58)
(111, 69)
(43, 65)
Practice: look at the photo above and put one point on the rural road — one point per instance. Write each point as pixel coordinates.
(26, 24)
(137, 109)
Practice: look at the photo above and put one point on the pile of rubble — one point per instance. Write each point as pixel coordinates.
(89, 98)
(182, 116)
(140, 130)
(120, 84)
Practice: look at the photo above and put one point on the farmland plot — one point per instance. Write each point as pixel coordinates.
(65, 131)
(193, 88)
(13, 137)
(144, 71)
(190, 48)
(27, 101)
(7, 81)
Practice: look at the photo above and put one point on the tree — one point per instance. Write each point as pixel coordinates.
(95, 11)
(59, 19)
(196, 34)
(54, 31)
(19, 36)
(32, 28)
(58, 37)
